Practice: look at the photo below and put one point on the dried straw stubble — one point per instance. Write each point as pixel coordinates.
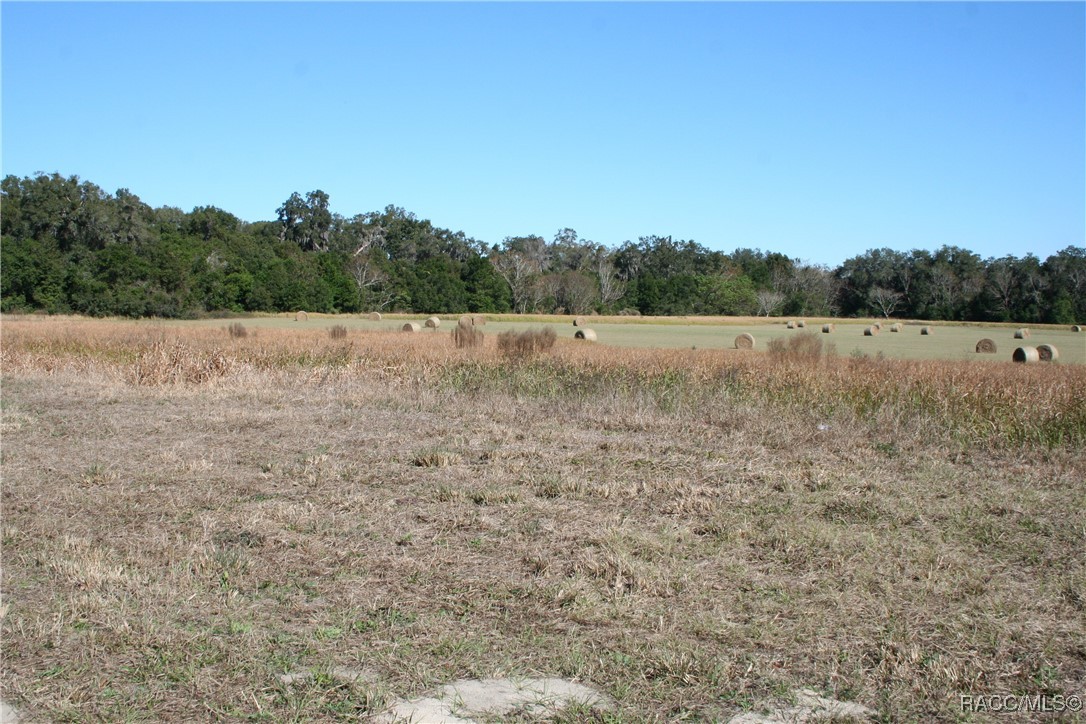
(1047, 353)
(744, 341)
(986, 346)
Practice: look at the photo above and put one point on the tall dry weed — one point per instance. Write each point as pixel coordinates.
(522, 345)
(466, 336)
(175, 362)
(803, 347)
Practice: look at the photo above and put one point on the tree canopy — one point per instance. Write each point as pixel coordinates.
(67, 246)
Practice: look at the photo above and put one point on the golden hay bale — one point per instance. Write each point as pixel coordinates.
(1076, 328)
(925, 330)
(1026, 355)
(877, 325)
(790, 325)
(411, 327)
(744, 341)
(871, 331)
(579, 322)
(433, 322)
(586, 334)
(478, 320)
(464, 321)
(896, 327)
(1021, 333)
(374, 316)
(986, 346)
(801, 324)
(827, 328)
(1047, 353)
(301, 317)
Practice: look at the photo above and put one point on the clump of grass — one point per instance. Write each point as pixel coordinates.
(435, 459)
(337, 332)
(466, 335)
(237, 330)
(171, 363)
(805, 347)
(526, 344)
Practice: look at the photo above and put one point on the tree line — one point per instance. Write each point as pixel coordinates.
(69, 247)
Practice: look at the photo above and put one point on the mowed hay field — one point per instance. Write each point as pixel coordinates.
(188, 516)
(951, 341)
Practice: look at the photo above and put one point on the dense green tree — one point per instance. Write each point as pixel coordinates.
(68, 246)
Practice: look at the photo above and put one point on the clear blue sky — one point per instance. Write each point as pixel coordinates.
(818, 130)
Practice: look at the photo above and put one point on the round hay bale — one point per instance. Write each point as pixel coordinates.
(433, 322)
(896, 327)
(374, 316)
(801, 324)
(1026, 355)
(478, 320)
(579, 321)
(925, 330)
(790, 325)
(586, 334)
(877, 325)
(871, 331)
(1047, 353)
(465, 321)
(827, 328)
(986, 346)
(1076, 328)
(301, 317)
(411, 327)
(744, 341)
(1021, 333)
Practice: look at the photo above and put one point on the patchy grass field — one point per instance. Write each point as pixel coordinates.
(188, 516)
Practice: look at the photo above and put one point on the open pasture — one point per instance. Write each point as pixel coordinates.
(948, 341)
(292, 526)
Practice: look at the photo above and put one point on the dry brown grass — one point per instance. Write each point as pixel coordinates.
(337, 331)
(691, 531)
(526, 344)
(804, 347)
(467, 336)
